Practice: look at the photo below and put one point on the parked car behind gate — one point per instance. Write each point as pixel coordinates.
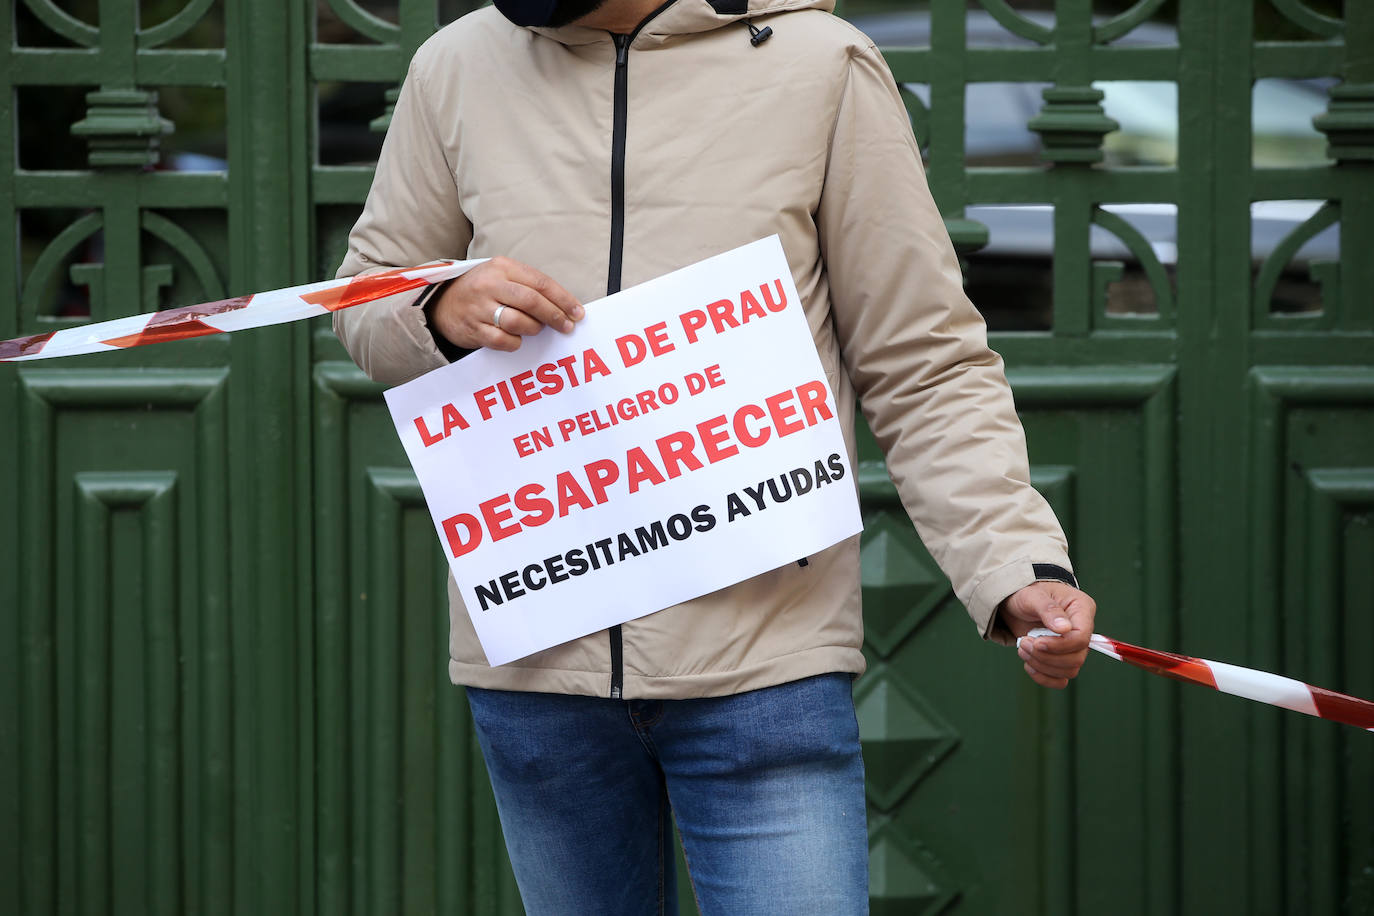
(1010, 278)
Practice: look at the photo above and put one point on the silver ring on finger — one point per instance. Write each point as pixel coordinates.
(496, 317)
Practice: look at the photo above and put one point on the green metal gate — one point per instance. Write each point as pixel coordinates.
(221, 613)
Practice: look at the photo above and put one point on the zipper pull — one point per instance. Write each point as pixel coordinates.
(622, 49)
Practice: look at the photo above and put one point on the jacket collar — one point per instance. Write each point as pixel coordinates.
(684, 17)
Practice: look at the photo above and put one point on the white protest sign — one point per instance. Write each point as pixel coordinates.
(682, 438)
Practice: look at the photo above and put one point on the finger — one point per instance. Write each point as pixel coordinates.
(1044, 660)
(548, 288)
(534, 304)
(1054, 683)
(1081, 610)
(493, 338)
(464, 311)
(514, 321)
(1055, 667)
(1073, 642)
(1083, 613)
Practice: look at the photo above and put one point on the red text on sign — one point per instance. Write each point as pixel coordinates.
(542, 381)
(634, 347)
(452, 420)
(710, 377)
(710, 441)
(724, 314)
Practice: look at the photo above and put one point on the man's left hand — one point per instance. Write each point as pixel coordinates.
(1051, 661)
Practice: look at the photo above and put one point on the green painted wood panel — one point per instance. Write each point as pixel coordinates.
(223, 671)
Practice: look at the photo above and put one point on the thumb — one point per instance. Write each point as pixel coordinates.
(1055, 617)
(1048, 605)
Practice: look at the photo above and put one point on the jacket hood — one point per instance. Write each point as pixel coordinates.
(683, 17)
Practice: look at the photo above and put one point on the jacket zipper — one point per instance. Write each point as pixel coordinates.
(622, 103)
(621, 113)
(622, 58)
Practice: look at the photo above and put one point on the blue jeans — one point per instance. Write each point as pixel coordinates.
(766, 788)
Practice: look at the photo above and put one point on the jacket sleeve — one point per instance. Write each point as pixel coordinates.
(934, 394)
(412, 216)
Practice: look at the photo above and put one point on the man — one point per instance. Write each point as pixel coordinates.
(584, 147)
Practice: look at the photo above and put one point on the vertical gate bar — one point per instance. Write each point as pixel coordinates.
(1213, 325)
(37, 697)
(1161, 793)
(332, 822)
(210, 888)
(122, 268)
(1359, 43)
(1266, 871)
(123, 250)
(162, 696)
(14, 852)
(1266, 819)
(267, 244)
(118, 24)
(947, 179)
(91, 702)
(1059, 881)
(1323, 855)
(384, 660)
(1073, 42)
(1071, 271)
(1357, 216)
(455, 839)
(421, 682)
(1072, 260)
(301, 125)
(418, 20)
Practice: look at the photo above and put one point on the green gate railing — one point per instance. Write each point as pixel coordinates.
(221, 614)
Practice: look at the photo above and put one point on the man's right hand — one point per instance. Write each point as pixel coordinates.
(466, 310)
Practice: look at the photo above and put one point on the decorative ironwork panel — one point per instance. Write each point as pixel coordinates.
(1313, 464)
(124, 697)
(406, 819)
(1095, 245)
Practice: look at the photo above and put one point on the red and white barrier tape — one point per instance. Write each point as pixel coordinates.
(258, 310)
(1260, 686)
(299, 302)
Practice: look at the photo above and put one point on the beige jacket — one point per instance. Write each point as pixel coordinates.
(502, 143)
